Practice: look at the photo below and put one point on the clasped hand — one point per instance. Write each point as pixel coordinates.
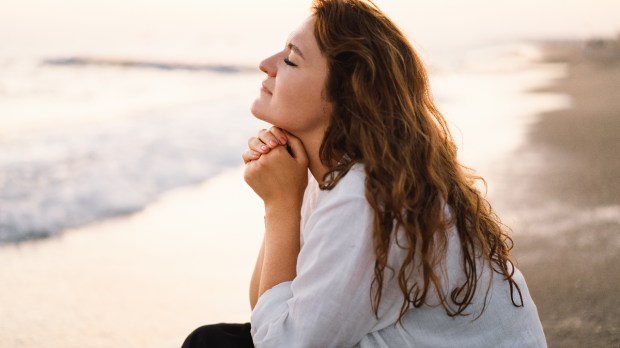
(276, 168)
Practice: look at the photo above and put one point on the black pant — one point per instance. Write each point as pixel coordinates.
(220, 336)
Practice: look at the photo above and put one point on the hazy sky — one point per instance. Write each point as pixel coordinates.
(187, 25)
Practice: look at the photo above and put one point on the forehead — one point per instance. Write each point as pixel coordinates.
(303, 38)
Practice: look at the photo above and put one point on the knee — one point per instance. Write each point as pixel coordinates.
(198, 337)
(220, 335)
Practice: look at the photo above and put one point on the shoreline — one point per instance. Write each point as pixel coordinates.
(167, 270)
(565, 195)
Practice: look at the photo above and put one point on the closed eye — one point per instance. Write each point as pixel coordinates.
(288, 62)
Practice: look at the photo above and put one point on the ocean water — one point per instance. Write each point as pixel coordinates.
(98, 120)
(114, 138)
(96, 156)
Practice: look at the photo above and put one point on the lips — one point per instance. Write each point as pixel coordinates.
(265, 89)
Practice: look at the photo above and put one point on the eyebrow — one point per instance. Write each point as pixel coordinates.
(296, 49)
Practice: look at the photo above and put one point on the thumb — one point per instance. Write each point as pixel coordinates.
(297, 149)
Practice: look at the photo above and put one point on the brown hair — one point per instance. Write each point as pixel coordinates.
(384, 117)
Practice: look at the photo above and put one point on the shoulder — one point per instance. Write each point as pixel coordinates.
(347, 198)
(343, 207)
(351, 185)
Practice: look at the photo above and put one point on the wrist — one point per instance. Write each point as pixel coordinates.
(282, 208)
(282, 211)
(279, 218)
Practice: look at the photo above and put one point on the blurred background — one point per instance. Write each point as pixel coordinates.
(124, 219)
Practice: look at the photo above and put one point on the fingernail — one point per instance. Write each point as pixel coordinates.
(283, 140)
(273, 143)
(255, 154)
(264, 147)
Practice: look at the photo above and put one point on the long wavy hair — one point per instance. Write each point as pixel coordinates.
(384, 117)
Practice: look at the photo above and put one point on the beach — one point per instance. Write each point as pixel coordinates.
(564, 191)
(150, 278)
(146, 280)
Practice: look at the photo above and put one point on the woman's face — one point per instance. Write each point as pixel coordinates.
(292, 95)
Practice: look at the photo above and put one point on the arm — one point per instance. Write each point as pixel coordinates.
(256, 276)
(257, 146)
(282, 254)
(328, 303)
(280, 180)
(281, 245)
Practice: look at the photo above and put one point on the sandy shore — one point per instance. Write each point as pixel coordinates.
(141, 281)
(564, 194)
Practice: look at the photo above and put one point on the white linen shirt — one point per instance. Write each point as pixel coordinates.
(328, 304)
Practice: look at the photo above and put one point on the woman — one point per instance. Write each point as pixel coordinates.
(387, 243)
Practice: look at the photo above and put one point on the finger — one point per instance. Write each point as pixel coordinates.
(268, 138)
(250, 155)
(257, 145)
(279, 134)
(297, 149)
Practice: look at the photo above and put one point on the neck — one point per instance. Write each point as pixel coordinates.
(312, 146)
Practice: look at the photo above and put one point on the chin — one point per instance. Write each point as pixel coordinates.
(255, 109)
(261, 112)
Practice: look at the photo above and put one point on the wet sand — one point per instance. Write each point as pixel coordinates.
(146, 280)
(563, 195)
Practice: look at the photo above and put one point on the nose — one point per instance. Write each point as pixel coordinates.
(269, 66)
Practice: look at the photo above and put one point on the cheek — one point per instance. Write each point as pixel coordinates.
(288, 99)
(296, 104)
(300, 95)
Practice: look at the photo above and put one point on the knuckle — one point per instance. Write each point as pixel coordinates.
(256, 142)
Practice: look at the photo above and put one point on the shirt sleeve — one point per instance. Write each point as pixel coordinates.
(328, 304)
